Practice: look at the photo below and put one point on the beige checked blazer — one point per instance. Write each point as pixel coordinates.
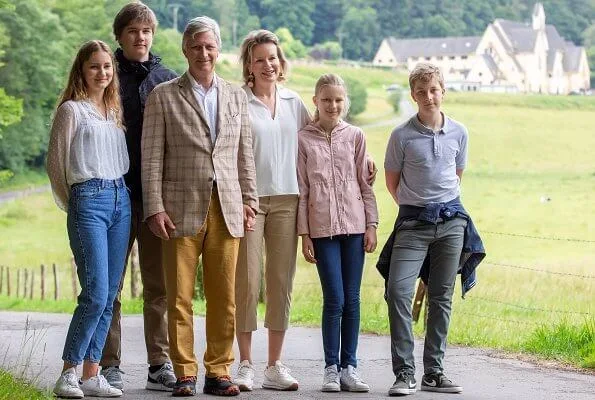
(179, 160)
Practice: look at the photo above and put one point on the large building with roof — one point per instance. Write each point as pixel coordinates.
(509, 57)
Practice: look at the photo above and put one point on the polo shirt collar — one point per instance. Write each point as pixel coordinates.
(425, 130)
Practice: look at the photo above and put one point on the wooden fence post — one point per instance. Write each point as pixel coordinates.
(8, 281)
(74, 278)
(56, 283)
(32, 285)
(134, 271)
(18, 282)
(26, 283)
(42, 285)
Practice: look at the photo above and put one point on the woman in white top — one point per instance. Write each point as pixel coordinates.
(87, 158)
(276, 116)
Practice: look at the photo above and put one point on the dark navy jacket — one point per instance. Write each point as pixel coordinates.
(137, 80)
(473, 251)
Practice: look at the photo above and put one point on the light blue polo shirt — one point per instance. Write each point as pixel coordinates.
(427, 161)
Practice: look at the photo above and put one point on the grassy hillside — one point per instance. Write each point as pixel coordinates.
(530, 177)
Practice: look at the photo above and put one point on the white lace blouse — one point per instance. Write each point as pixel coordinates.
(83, 145)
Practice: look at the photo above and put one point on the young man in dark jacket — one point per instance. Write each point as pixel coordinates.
(139, 72)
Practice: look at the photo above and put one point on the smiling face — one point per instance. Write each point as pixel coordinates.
(265, 64)
(98, 72)
(428, 95)
(202, 51)
(330, 103)
(136, 40)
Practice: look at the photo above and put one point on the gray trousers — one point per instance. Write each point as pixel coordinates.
(413, 241)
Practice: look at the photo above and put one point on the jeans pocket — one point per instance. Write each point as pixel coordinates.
(83, 191)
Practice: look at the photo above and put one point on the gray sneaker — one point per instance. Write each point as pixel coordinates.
(67, 385)
(404, 384)
(163, 379)
(439, 383)
(113, 375)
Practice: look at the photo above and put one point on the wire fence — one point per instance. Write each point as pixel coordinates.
(23, 284)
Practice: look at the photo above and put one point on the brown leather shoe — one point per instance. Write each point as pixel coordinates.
(220, 386)
(185, 386)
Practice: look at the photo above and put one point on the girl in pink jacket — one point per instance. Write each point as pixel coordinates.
(337, 220)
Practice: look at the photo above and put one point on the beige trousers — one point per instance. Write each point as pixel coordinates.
(276, 226)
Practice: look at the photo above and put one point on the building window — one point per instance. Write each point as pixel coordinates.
(481, 73)
(463, 57)
(428, 58)
(452, 57)
(439, 58)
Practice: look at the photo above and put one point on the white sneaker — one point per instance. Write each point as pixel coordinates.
(351, 382)
(331, 380)
(278, 377)
(67, 385)
(98, 386)
(245, 376)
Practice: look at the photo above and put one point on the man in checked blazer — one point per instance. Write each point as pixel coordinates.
(199, 194)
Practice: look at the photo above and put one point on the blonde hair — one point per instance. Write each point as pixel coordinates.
(254, 38)
(76, 88)
(424, 72)
(331, 80)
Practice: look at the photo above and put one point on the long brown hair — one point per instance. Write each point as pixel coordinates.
(76, 88)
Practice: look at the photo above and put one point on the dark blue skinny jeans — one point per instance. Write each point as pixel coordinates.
(98, 228)
(340, 263)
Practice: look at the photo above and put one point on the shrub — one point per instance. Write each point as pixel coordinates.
(358, 95)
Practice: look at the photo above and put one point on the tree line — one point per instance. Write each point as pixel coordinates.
(39, 38)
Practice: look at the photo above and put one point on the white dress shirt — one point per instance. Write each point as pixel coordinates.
(207, 99)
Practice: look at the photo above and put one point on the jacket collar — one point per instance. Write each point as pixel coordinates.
(127, 65)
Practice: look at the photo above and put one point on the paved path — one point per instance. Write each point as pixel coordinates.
(7, 196)
(484, 377)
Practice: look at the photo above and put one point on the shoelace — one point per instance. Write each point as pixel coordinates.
(355, 377)
(103, 383)
(244, 370)
(403, 376)
(283, 370)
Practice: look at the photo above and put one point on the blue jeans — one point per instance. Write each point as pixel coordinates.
(340, 263)
(98, 228)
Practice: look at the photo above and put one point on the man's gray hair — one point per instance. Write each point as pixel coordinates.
(199, 25)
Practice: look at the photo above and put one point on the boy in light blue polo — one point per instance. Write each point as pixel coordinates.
(424, 163)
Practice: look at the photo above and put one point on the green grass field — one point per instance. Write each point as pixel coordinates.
(534, 295)
(15, 389)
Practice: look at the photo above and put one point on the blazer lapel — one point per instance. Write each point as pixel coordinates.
(222, 100)
(188, 93)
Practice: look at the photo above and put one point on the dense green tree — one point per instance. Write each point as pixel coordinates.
(358, 97)
(359, 34)
(327, 19)
(326, 51)
(36, 62)
(290, 14)
(293, 48)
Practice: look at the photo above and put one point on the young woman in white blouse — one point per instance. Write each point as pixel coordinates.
(87, 158)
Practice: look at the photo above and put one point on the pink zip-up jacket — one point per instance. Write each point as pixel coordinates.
(335, 198)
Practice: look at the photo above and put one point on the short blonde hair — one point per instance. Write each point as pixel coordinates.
(331, 80)
(254, 38)
(424, 72)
